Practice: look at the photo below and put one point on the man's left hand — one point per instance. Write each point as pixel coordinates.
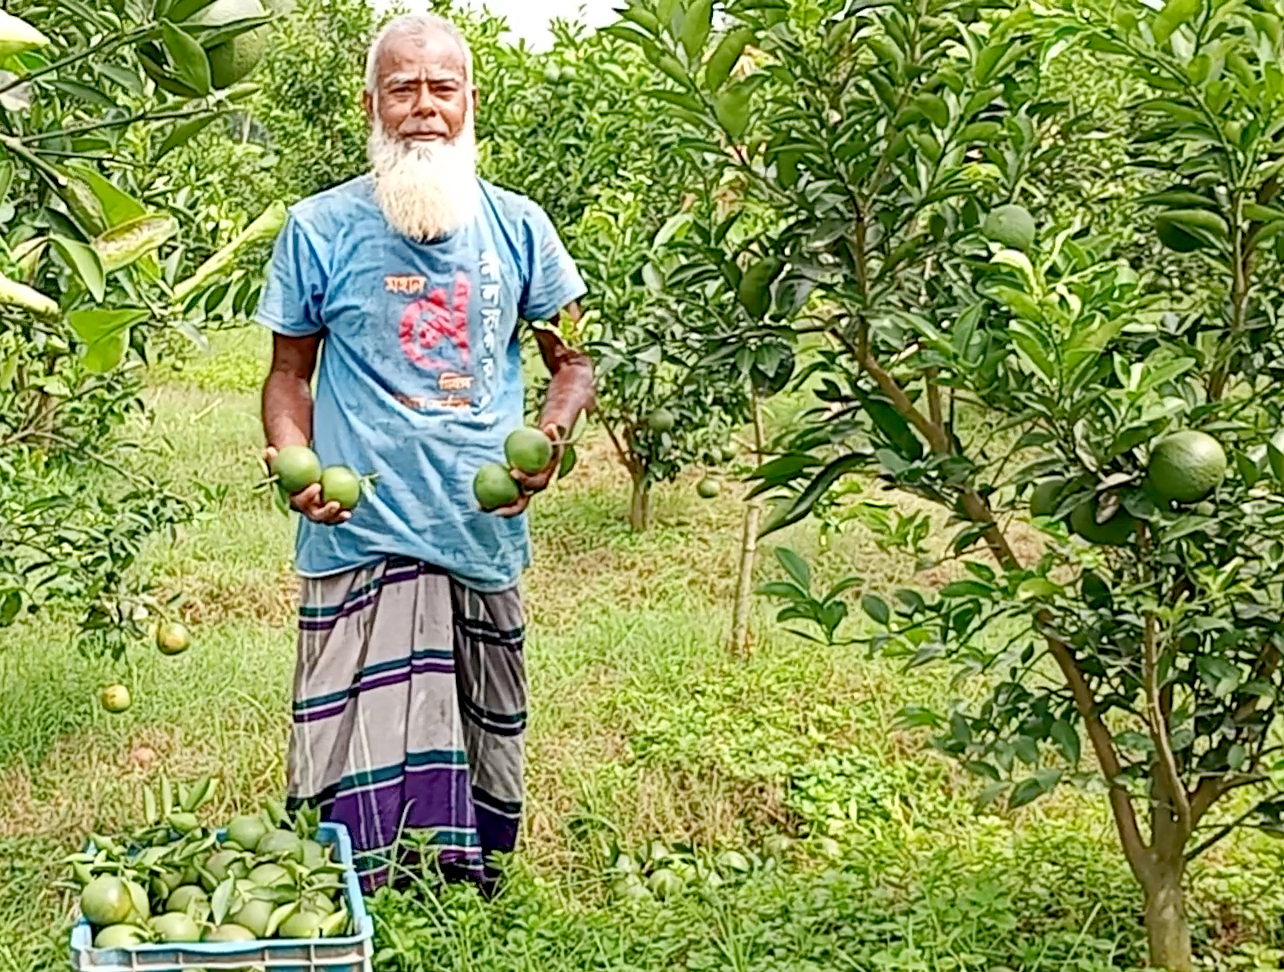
(532, 483)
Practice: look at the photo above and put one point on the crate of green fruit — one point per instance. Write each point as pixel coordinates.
(265, 892)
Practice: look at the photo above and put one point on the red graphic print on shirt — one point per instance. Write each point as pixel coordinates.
(428, 322)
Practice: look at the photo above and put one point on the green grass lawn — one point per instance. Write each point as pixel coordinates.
(648, 739)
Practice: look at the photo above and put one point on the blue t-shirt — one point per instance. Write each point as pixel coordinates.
(420, 378)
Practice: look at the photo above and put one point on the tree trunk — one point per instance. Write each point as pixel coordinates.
(748, 549)
(744, 580)
(640, 504)
(1166, 928)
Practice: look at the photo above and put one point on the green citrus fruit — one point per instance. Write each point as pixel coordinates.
(301, 924)
(528, 450)
(495, 487)
(228, 933)
(235, 60)
(1096, 593)
(1011, 226)
(221, 864)
(1187, 466)
(661, 420)
(341, 485)
(190, 899)
(318, 902)
(119, 936)
(296, 468)
(172, 638)
(247, 830)
(255, 915)
(708, 488)
(114, 698)
(1114, 532)
(313, 854)
(728, 452)
(169, 880)
(106, 901)
(279, 845)
(269, 876)
(1044, 499)
(175, 926)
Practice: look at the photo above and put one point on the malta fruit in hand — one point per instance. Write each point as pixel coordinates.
(114, 698)
(1011, 226)
(106, 901)
(296, 468)
(495, 487)
(172, 638)
(341, 485)
(528, 450)
(1186, 466)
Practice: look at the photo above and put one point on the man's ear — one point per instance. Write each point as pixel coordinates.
(476, 98)
(367, 102)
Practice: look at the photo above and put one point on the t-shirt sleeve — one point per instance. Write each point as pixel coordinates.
(553, 280)
(295, 287)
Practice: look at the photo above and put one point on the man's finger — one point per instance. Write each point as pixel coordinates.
(533, 482)
(512, 509)
(307, 497)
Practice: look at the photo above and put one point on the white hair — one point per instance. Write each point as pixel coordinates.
(414, 24)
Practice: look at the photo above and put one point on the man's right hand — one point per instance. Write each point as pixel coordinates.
(308, 501)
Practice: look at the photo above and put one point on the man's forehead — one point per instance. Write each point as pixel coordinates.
(421, 56)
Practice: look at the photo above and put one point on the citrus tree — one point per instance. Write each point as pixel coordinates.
(1011, 373)
(93, 270)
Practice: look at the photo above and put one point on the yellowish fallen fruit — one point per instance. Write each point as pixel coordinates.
(115, 698)
(172, 638)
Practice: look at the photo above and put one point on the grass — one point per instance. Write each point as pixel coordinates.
(645, 733)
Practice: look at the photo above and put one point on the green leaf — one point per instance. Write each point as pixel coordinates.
(126, 244)
(1030, 789)
(569, 459)
(10, 605)
(695, 27)
(725, 57)
(1067, 740)
(106, 334)
(794, 566)
(876, 608)
(1174, 15)
(188, 58)
(96, 202)
(815, 490)
(183, 132)
(754, 291)
(731, 108)
(84, 262)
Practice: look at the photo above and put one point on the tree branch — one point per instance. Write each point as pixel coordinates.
(1166, 762)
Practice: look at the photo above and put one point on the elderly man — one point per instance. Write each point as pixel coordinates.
(407, 285)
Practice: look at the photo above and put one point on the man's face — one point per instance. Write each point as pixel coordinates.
(423, 91)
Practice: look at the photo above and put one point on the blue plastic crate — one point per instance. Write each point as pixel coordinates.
(351, 953)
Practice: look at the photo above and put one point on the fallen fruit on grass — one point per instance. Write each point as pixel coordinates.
(175, 926)
(528, 450)
(114, 698)
(495, 487)
(296, 468)
(728, 452)
(708, 488)
(341, 485)
(1186, 466)
(106, 901)
(663, 883)
(120, 936)
(246, 830)
(172, 638)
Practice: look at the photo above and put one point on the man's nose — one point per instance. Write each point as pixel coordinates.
(424, 104)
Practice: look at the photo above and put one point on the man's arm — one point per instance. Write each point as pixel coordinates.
(287, 415)
(570, 392)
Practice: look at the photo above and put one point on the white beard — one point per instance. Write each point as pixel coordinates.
(426, 190)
